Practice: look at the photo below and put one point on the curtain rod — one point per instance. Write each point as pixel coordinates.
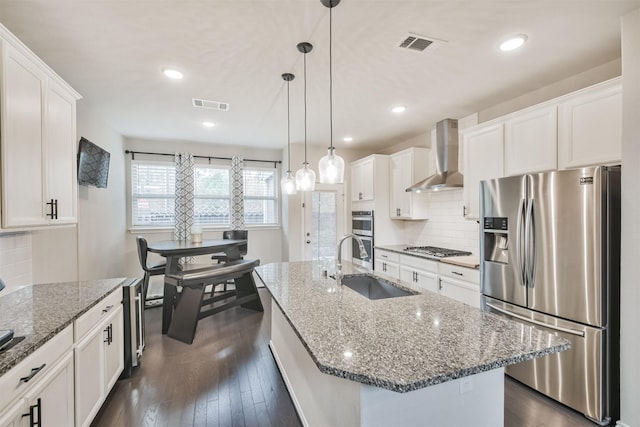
(133, 157)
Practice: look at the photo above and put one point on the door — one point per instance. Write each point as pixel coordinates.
(567, 264)
(114, 349)
(323, 222)
(51, 402)
(502, 203)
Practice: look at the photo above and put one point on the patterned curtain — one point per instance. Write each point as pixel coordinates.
(237, 194)
(184, 196)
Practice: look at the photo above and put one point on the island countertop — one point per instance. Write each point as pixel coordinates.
(400, 344)
(39, 312)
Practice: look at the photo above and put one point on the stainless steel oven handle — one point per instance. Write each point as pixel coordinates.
(536, 322)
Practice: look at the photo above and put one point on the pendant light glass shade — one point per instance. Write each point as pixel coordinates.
(331, 166)
(288, 183)
(305, 177)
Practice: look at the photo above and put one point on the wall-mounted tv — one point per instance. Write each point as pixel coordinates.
(93, 164)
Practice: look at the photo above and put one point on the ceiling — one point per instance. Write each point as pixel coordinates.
(234, 51)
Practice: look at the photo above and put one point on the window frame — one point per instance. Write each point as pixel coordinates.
(276, 196)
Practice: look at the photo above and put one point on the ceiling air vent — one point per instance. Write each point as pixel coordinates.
(212, 105)
(419, 43)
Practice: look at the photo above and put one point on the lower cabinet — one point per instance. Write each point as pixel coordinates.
(387, 263)
(422, 273)
(99, 362)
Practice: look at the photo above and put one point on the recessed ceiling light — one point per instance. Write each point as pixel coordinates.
(173, 74)
(399, 109)
(208, 124)
(347, 139)
(513, 42)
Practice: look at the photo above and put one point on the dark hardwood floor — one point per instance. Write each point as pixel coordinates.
(227, 377)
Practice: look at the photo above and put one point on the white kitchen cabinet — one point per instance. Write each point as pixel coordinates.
(460, 283)
(407, 167)
(362, 179)
(42, 382)
(483, 159)
(37, 134)
(387, 263)
(99, 356)
(420, 272)
(590, 126)
(530, 141)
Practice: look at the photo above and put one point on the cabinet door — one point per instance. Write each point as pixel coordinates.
(366, 179)
(22, 160)
(54, 395)
(399, 175)
(356, 179)
(89, 376)
(13, 416)
(114, 349)
(387, 268)
(60, 148)
(483, 159)
(590, 126)
(531, 141)
(422, 279)
(465, 292)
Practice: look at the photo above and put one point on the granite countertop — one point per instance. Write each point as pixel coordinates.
(469, 261)
(400, 344)
(39, 312)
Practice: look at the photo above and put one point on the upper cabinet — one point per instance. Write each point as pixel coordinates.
(590, 123)
(530, 141)
(407, 167)
(483, 159)
(362, 179)
(38, 140)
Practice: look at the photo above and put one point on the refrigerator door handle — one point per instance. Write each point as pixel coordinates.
(536, 322)
(520, 241)
(530, 232)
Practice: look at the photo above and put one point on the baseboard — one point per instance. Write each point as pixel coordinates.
(287, 383)
(621, 424)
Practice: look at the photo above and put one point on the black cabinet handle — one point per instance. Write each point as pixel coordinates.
(33, 373)
(457, 274)
(109, 331)
(107, 308)
(33, 410)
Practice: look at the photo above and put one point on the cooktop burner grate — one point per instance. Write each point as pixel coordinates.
(436, 251)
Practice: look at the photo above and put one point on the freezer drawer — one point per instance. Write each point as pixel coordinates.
(576, 377)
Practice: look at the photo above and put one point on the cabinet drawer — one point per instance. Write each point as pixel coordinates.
(419, 263)
(460, 273)
(12, 383)
(100, 311)
(387, 255)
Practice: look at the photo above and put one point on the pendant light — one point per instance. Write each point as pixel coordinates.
(331, 166)
(305, 177)
(288, 183)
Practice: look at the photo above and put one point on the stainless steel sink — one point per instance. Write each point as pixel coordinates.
(374, 287)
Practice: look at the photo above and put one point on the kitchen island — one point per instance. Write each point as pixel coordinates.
(422, 359)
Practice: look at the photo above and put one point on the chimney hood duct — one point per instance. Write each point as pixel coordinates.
(447, 176)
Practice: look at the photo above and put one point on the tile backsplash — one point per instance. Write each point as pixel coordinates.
(15, 259)
(446, 227)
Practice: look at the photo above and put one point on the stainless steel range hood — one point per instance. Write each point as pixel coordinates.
(447, 176)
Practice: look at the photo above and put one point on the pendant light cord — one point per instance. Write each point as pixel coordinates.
(305, 107)
(288, 130)
(330, 83)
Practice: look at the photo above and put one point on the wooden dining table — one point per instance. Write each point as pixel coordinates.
(174, 250)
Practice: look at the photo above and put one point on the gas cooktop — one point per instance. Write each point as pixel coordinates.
(435, 251)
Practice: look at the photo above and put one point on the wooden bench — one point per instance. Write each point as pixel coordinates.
(181, 312)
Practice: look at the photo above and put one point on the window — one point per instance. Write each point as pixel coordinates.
(153, 195)
(260, 196)
(212, 195)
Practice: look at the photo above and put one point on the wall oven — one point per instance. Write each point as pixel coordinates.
(362, 226)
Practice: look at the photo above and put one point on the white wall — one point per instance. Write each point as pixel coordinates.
(630, 286)
(101, 211)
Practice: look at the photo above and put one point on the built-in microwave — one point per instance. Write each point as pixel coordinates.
(362, 226)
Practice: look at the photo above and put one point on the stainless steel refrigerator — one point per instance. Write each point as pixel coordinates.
(550, 258)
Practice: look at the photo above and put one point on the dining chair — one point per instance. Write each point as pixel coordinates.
(153, 270)
(233, 235)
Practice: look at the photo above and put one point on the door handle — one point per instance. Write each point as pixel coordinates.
(520, 242)
(308, 241)
(33, 409)
(531, 245)
(536, 322)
